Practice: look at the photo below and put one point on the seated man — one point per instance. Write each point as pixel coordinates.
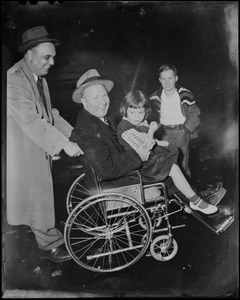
(92, 133)
(103, 151)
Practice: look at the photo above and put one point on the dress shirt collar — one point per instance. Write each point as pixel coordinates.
(104, 119)
(35, 77)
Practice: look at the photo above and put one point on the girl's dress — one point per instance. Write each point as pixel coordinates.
(161, 159)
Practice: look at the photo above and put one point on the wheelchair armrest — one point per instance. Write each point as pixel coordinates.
(134, 177)
(75, 166)
(135, 172)
(73, 163)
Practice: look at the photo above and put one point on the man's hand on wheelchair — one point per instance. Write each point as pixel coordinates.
(72, 149)
(143, 153)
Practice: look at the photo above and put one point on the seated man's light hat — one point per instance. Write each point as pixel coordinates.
(91, 77)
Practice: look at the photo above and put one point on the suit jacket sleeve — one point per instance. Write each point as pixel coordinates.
(155, 104)
(193, 120)
(21, 105)
(60, 123)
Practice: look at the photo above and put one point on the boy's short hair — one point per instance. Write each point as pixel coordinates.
(166, 67)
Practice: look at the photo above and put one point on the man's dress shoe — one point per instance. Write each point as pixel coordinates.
(213, 195)
(55, 254)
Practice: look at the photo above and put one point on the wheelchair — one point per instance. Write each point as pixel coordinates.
(109, 228)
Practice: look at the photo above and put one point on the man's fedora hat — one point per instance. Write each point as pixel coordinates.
(91, 77)
(34, 36)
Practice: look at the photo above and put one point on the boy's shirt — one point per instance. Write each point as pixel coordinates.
(188, 107)
(171, 113)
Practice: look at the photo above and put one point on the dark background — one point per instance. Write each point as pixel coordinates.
(127, 42)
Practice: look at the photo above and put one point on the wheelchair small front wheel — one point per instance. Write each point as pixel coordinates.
(163, 248)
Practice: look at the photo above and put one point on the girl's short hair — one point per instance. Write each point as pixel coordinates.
(167, 67)
(135, 99)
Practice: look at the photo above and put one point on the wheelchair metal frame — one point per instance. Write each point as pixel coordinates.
(110, 229)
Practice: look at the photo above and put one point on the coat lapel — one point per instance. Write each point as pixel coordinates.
(110, 133)
(107, 132)
(47, 97)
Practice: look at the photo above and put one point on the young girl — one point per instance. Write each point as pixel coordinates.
(134, 131)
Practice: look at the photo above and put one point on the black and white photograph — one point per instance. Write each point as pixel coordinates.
(120, 168)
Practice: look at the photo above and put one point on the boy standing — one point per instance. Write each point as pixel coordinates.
(176, 111)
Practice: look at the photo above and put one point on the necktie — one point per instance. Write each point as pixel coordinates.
(109, 122)
(40, 89)
(105, 120)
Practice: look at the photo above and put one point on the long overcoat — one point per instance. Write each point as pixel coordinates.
(32, 140)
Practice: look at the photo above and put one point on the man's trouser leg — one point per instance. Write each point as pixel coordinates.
(48, 238)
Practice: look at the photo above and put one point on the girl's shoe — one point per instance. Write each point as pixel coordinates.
(210, 209)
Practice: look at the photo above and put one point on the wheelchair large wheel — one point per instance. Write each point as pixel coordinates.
(163, 248)
(78, 191)
(103, 234)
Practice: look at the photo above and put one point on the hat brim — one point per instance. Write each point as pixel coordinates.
(77, 94)
(29, 45)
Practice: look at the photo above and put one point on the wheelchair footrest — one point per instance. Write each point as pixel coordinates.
(218, 223)
(224, 226)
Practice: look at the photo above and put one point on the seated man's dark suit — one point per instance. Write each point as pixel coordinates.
(101, 148)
